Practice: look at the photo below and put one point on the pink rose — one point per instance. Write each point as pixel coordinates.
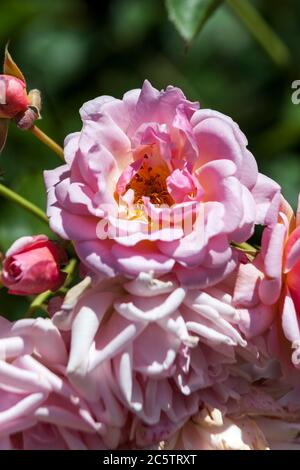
(32, 266)
(267, 290)
(153, 183)
(51, 398)
(125, 364)
(157, 348)
(13, 96)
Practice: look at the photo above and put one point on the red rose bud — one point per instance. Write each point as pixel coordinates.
(32, 266)
(13, 96)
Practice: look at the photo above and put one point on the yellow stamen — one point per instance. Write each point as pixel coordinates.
(151, 182)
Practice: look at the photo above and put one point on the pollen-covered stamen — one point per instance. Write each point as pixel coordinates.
(150, 182)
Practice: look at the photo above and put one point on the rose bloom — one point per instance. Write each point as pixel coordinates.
(13, 96)
(153, 183)
(267, 291)
(122, 364)
(32, 266)
(155, 348)
(125, 364)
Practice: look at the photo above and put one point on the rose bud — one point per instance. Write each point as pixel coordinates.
(32, 266)
(13, 96)
(15, 103)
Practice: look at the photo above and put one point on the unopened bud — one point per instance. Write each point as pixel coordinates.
(32, 266)
(13, 96)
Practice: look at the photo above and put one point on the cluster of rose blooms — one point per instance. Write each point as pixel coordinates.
(174, 338)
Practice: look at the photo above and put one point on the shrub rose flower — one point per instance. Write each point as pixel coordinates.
(32, 266)
(267, 290)
(127, 363)
(45, 402)
(153, 183)
(157, 347)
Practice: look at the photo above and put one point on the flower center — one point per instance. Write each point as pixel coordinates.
(151, 182)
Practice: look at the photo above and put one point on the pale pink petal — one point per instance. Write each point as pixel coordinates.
(264, 191)
(84, 328)
(246, 287)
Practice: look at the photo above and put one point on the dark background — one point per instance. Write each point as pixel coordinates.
(75, 50)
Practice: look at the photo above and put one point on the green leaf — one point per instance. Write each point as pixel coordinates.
(189, 16)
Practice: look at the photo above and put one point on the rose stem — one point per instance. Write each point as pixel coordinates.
(22, 202)
(37, 303)
(37, 132)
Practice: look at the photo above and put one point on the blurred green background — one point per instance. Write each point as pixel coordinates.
(75, 50)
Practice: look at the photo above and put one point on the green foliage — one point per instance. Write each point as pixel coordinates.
(189, 16)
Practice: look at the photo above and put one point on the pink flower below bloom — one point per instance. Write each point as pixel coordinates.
(127, 364)
(151, 346)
